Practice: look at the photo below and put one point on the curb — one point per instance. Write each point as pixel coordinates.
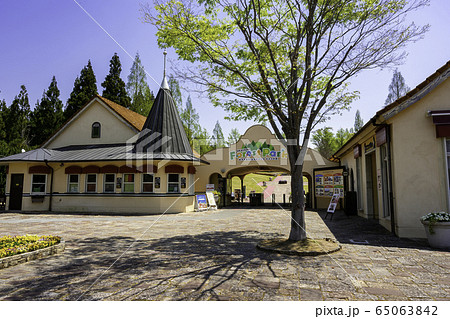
(32, 255)
(262, 246)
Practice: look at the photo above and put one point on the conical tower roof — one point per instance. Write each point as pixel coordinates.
(163, 131)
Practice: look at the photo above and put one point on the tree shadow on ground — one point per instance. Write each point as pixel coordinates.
(188, 267)
(357, 230)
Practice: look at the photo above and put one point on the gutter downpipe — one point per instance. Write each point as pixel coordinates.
(51, 186)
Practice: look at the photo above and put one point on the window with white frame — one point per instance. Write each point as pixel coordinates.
(147, 183)
(128, 183)
(38, 183)
(73, 183)
(173, 183)
(109, 183)
(91, 183)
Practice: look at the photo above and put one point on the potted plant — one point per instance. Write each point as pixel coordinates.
(437, 227)
(216, 196)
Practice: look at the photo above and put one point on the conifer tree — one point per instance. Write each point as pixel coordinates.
(114, 86)
(190, 119)
(84, 89)
(3, 143)
(217, 137)
(397, 88)
(234, 136)
(16, 121)
(3, 146)
(47, 116)
(139, 92)
(358, 121)
(175, 91)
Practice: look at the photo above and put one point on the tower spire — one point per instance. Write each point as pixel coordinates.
(164, 84)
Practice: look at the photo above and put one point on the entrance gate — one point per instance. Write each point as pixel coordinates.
(257, 151)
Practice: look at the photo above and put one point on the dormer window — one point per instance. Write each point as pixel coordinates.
(96, 129)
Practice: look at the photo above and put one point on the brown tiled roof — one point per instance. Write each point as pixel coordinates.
(134, 119)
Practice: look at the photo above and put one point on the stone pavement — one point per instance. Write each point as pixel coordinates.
(212, 256)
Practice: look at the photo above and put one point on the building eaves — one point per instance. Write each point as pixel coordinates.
(412, 96)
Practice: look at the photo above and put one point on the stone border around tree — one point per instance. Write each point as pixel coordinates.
(273, 245)
(32, 255)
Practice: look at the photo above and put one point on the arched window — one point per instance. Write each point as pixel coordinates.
(96, 128)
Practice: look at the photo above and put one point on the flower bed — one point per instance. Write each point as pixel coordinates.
(14, 245)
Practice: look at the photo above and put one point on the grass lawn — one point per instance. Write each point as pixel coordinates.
(251, 182)
(14, 245)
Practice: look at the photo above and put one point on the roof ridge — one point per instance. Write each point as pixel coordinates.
(131, 117)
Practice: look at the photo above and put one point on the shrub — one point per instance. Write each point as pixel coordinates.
(14, 245)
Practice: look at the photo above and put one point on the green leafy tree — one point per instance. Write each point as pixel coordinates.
(175, 90)
(84, 89)
(324, 141)
(217, 137)
(342, 136)
(202, 142)
(138, 90)
(47, 116)
(358, 122)
(190, 119)
(397, 88)
(283, 60)
(114, 86)
(234, 136)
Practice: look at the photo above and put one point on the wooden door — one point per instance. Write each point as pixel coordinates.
(16, 191)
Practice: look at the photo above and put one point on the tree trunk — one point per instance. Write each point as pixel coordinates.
(298, 231)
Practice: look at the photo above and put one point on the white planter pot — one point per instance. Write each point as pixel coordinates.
(441, 236)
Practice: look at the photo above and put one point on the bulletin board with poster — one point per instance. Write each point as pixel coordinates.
(328, 182)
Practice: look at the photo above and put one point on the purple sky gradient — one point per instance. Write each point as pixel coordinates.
(39, 39)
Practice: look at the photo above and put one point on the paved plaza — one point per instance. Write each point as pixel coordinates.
(212, 256)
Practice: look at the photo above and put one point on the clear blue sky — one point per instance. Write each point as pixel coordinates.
(39, 39)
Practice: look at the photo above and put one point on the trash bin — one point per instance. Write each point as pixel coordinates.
(255, 199)
(350, 203)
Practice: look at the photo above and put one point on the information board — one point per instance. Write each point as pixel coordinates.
(211, 200)
(329, 182)
(209, 188)
(200, 202)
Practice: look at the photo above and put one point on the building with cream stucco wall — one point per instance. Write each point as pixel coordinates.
(398, 162)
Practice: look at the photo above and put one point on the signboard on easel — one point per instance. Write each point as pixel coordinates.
(200, 202)
(211, 200)
(333, 203)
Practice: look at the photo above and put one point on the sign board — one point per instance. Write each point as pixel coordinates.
(209, 188)
(381, 136)
(333, 203)
(200, 202)
(329, 182)
(211, 200)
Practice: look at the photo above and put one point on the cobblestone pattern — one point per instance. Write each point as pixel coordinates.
(212, 256)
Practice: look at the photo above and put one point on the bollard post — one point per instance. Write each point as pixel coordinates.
(273, 199)
(284, 199)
